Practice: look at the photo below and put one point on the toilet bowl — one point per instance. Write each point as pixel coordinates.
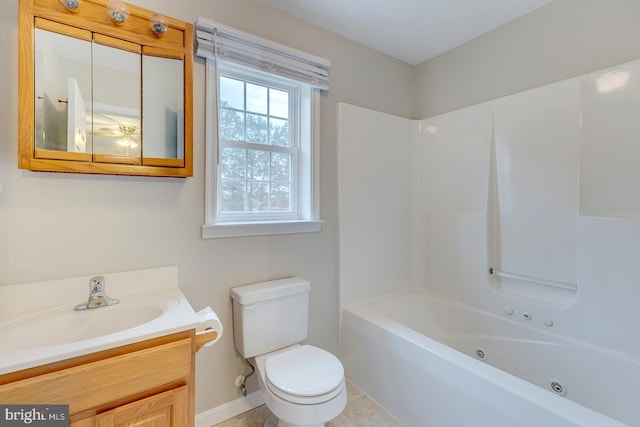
(302, 385)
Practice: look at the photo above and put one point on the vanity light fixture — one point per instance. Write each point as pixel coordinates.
(159, 25)
(118, 11)
(71, 5)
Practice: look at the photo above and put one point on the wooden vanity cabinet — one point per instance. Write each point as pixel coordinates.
(150, 383)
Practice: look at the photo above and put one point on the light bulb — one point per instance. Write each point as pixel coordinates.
(159, 25)
(118, 11)
(71, 5)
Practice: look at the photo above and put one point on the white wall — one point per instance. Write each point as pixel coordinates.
(451, 168)
(62, 225)
(375, 203)
(566, 38)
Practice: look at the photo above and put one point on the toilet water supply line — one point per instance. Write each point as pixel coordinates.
(241, 381)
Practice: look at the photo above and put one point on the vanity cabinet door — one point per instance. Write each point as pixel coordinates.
(140, 384)
(168, 409)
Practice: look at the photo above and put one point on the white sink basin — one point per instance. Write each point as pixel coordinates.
(38, 323)
(64, 325)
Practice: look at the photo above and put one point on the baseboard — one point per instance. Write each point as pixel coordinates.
(228, 410)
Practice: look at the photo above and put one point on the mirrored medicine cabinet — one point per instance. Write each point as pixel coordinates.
(100, 95)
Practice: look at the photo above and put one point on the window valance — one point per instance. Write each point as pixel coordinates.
(220, 42)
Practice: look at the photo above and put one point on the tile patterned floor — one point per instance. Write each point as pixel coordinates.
(361, 411)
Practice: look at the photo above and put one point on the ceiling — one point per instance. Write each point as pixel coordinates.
(411, 30)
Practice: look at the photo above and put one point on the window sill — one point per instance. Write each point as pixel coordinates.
(221, 231)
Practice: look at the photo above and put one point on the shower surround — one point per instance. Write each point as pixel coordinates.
(525, 207)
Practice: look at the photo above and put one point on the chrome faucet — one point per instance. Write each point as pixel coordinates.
(97, 297)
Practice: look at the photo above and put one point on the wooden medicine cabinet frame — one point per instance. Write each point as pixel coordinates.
(92, 20)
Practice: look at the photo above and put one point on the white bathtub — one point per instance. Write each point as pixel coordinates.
(415, 353)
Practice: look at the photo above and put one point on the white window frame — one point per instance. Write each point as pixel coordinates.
(307, 108)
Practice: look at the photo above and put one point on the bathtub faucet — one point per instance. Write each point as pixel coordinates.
(97, 296)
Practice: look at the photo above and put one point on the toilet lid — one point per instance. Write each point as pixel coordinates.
(305, 371)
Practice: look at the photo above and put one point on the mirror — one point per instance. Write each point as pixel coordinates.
(163, 107)
(62, 84)
(101, 98)
(116, 127)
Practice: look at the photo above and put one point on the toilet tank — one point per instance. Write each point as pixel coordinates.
(270, 315)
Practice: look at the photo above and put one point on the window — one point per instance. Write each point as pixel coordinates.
(259, 148)
(262, 161)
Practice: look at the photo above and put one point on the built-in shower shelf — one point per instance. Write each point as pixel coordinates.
(551, 292)
(536, 280)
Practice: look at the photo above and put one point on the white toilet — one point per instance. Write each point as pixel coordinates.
(302, 385)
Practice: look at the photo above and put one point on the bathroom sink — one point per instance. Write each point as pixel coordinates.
(39, 323)
(63, 325)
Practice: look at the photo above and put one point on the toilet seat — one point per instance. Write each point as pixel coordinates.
(304, 375)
